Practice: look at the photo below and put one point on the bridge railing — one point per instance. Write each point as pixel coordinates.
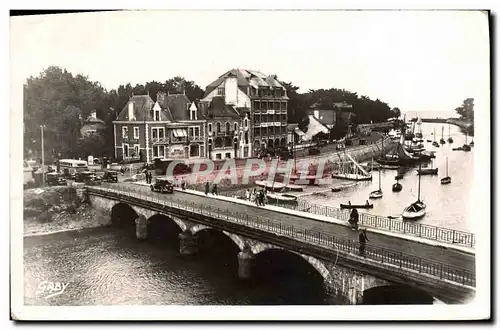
(335, 244)
(435, 233)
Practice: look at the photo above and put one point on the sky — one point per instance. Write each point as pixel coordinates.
(413, 60)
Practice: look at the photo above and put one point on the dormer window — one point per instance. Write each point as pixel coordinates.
(193, 115)
(124, 132)
(245, 123)
(221, 91)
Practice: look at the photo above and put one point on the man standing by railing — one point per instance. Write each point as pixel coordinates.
(362, 242)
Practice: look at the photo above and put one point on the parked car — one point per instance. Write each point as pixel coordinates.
(55, 179)
(162, 185)
(86, 177)
(110, 176)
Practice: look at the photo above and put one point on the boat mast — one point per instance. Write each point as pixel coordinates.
(449, 134)
(379, 184)
(434, 134)
(442, 130)
(420, 171)
(446, 166)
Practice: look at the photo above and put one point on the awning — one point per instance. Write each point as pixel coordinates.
(180, 132)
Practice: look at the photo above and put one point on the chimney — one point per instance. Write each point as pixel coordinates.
(160, 98)
(130, 110)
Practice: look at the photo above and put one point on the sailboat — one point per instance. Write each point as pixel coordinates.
(351, 170)
(434, 143)
(428, 171)
(447, 178)
(417, 209)
(450, 139)
(397, 187)
(377, 193)
(442, 141)
(419, 132)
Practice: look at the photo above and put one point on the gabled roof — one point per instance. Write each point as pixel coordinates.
(326, 116)
(142, 109)
(219, 108)
(246, 78)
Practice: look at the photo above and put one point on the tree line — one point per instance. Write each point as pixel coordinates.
(61, 102)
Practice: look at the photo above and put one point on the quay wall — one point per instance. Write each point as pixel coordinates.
(330, 161)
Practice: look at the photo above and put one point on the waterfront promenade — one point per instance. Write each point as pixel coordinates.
(433, 250)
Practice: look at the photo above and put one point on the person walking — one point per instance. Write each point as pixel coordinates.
(354, 218)
(214, 189)
(247, 194)
(207, 188)
(362, 242)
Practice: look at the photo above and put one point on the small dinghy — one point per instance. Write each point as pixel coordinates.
(353, 206)
(270, 185)
(377, 193)
(429, 140)
(414, 211)
(442, 140)
(397, 187)
(281, 198)
(417, 209)
(398, 177)
(447, 178)
(389, 167)
(427, 171)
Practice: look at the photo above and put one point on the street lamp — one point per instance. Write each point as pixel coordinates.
(43, 156)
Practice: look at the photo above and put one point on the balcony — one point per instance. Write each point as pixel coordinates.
(224, 133)
(177, 140)
(195, 139)
(159, 140)
(130, 140)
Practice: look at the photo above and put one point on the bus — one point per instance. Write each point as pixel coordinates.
(71, 166)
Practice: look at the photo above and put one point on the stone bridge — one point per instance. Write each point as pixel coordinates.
(347, 275)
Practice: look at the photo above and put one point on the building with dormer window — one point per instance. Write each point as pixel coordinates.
(170, 128)
(263, 98)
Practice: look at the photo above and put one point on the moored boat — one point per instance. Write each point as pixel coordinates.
(377, 193)
(447, 178)
(354, 206)
(417, 209)
(281, 198)
(275, 186)
(450, 139)
(442, 140)
(397, 187)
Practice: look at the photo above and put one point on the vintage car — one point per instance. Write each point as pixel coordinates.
(110, 176)
(55, 179)
(162, 185)
(87, 177)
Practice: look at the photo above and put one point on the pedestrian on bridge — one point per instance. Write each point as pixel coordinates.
(362, 242)
(207, 188)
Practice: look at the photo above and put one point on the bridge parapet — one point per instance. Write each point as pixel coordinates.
(394, 265)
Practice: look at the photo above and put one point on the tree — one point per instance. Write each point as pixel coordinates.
(466, 110)
(396, 113)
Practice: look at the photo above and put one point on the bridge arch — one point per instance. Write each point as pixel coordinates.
(237, 240)
(123, 215)
(181, 224)
(315, 263)
(164, 228)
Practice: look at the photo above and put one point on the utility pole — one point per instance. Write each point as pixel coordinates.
(43, 158)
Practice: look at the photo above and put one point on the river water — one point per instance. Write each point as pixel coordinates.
(107, 266)
(447, 205)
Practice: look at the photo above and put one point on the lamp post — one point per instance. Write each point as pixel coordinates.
(43, 156)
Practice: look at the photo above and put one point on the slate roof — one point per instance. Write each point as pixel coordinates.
(219, 108)
(177, 105)
(142, 109)
(327, 114)
(245, 78)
